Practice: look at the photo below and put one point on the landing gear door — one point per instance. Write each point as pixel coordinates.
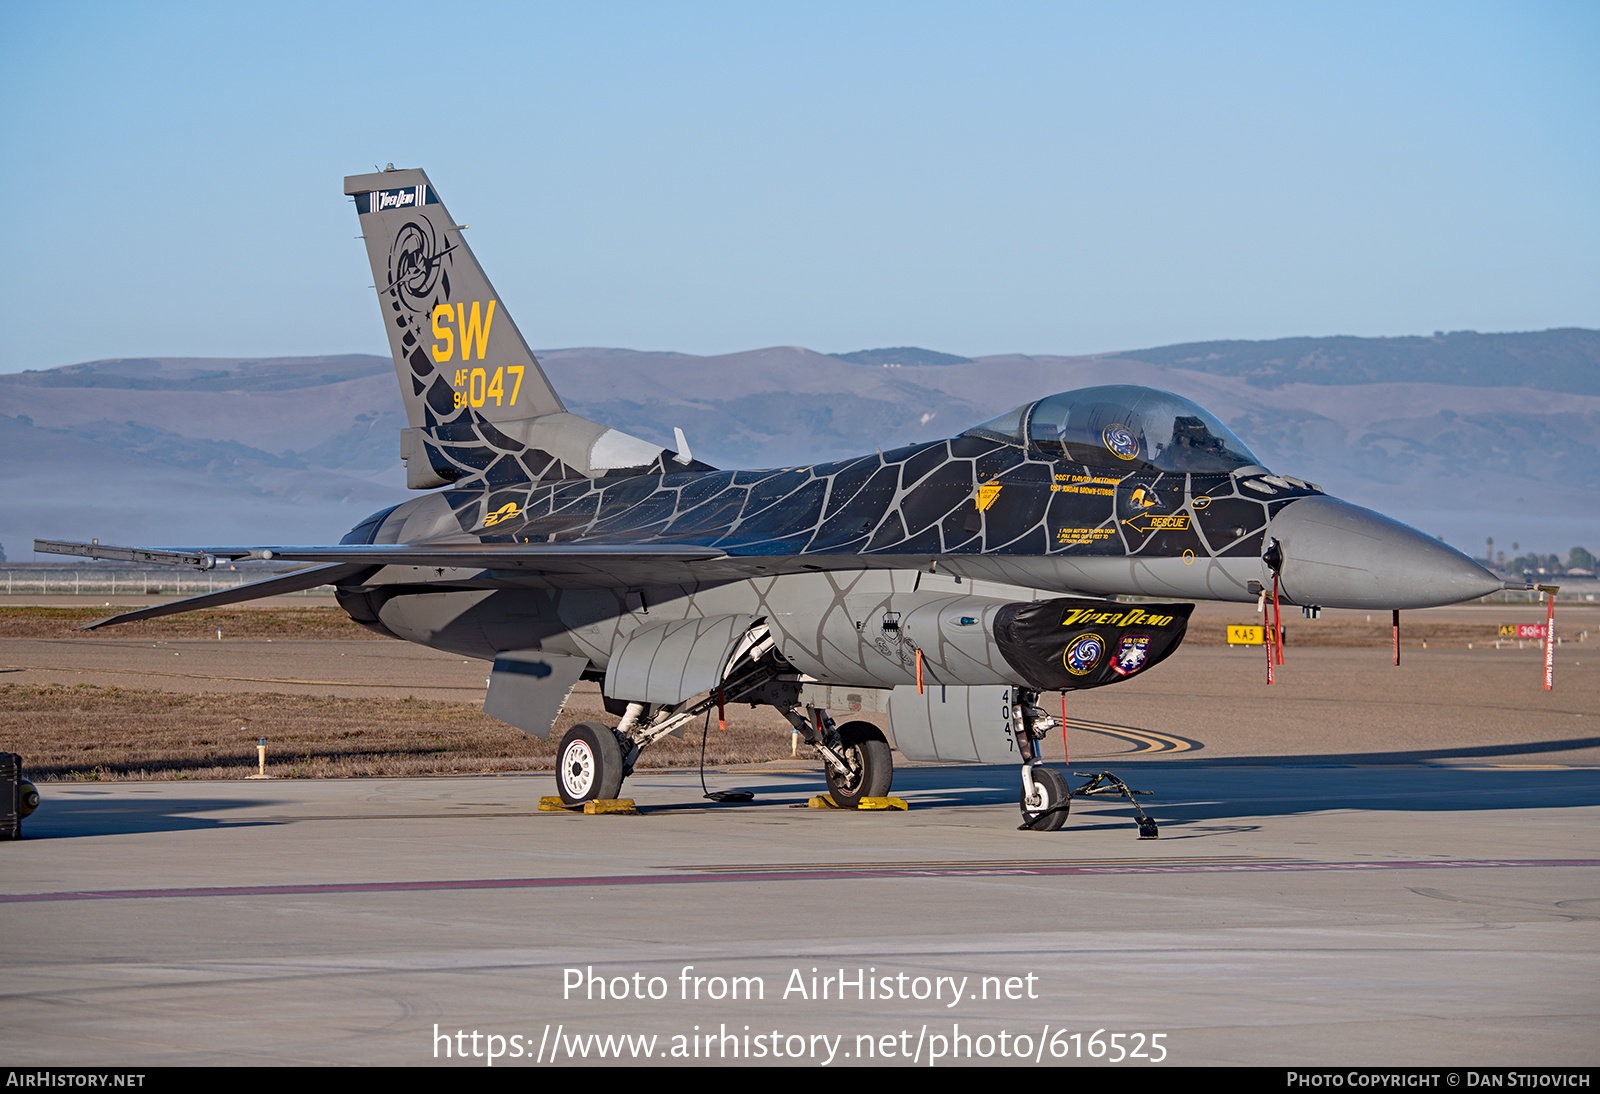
(953, 724)
(528, 688)
(669, 662)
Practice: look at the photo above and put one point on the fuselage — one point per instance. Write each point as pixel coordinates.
(950, 529)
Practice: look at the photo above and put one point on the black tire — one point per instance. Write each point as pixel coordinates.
(864, 746)
(588, 764)
(1049, 812)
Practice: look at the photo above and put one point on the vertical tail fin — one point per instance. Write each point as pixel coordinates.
(477, 401)
(455, 345)
(458, 355)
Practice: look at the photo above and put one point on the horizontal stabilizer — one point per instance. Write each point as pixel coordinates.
(198, 559)
(539, 557)
(341, 562)
(296, 582)
(551, 557)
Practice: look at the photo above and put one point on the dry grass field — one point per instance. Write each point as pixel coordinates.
(242, 622)
(84, 732)
(88, 733)
(1346, 629)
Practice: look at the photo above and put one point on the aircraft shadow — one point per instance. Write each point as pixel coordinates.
(1186, 792)
(73, 815)
(1542, 751)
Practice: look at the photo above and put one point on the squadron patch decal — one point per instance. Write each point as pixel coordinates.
(1084, 654)
(1121, 442)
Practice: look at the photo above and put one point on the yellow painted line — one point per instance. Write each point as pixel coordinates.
(1149, 740)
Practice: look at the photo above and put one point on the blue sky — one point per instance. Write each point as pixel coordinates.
(1051, 178)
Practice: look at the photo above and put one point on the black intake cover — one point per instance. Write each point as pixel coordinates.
(1074, 642)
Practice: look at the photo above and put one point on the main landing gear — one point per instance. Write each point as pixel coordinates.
(868, 769)
(589, 764)
(593, 759)
(856, 760)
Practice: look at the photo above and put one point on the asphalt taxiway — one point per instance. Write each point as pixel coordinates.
(1359, 865)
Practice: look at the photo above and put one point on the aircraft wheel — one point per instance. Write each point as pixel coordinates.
(1049, 791)
(589, 764)
(866, 748)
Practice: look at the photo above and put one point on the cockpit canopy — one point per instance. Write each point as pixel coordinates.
(1120, 426)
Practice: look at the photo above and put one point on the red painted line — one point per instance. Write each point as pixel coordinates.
(842, 873)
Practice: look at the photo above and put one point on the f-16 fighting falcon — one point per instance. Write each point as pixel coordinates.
(945, 584)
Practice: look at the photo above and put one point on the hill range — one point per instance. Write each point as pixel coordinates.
(1463, 435)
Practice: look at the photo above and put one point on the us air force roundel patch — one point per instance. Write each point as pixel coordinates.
(1132, 654)
(1073, 642)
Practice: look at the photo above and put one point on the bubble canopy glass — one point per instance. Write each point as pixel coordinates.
(1123, 426)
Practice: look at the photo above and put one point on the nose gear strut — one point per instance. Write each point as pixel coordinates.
(1045, 798)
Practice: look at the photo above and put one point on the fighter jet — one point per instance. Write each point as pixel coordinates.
(946, 584)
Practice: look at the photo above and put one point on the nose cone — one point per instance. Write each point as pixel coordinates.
(1343, 556)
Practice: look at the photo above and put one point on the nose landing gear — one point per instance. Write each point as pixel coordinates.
(1045, 809)
(1045, 799)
